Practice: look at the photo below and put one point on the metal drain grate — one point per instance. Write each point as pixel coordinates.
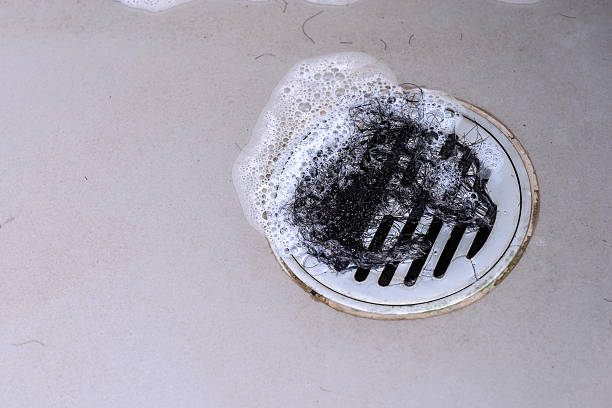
(433, 227)
(462, 265)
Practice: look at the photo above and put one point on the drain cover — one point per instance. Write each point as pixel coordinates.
(462, 265)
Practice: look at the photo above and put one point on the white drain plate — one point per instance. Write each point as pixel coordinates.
(512, 186)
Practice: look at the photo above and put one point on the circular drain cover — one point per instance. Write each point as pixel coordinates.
(462, 265)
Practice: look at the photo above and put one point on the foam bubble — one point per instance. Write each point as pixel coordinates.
(306, 122)
(333, 2)
(152, 5)
(160, 5)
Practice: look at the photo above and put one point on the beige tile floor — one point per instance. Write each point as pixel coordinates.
(129, 277)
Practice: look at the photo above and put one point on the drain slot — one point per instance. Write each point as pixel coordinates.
(449, 250)
(417, 264)
(361, 274)
(377, 242)
(387, 274)
(406, 233)
(481, 237)
(449, 144)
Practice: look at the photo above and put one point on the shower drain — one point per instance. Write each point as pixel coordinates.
(461, 266)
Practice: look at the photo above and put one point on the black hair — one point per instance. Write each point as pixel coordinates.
(388, 173)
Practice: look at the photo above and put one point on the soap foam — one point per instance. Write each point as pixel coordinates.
(152, 5)
(333, 2)
(159, 5)
(306, 123)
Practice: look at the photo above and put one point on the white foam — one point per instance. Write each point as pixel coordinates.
(159, 5)
(333, 2)
(152, 5)
(310, 90)
(307, 117)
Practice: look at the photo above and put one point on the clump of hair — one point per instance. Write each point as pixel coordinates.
(392, 168)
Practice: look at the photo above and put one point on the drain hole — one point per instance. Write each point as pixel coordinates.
(482, 235)
(405, 234)
(361, 274)
(479, 241)
(417, 264)
(387, 274)
(377, 242)
(414, 271)
(449, 250)
(447, 148)
(381, 233)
